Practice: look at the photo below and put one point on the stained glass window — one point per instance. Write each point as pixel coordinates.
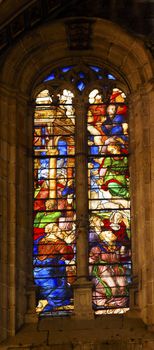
(54, 202)
(108, 230)
(109, 202)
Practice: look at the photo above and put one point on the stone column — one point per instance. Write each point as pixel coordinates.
(141, 149)
(133, 165)
(148, 152)
(4, 203)
(82, 287)
(27, 115)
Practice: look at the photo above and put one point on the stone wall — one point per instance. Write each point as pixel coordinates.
(109, 333)
(22, 69)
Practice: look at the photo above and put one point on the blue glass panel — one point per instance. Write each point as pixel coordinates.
(81, 85)
(50, 77)
(95, 68)
(81, 75)
(110, 76)
(66, 69)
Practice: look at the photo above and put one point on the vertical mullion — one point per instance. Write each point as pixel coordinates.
(81, 190)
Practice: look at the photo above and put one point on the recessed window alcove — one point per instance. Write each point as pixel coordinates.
(125, 80)
(81, 191)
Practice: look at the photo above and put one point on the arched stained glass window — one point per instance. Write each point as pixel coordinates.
(54, 201)
(109, 202)
(81, 157)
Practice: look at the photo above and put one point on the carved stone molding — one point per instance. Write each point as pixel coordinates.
(79, 34)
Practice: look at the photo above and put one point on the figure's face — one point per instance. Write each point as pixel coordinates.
(62, 180)
(95, 172)
(98, 99)
(49, 204)
(56, 229)
(69, 198)
(96, 221)
(52, 230)
(117, 218)
(113, 149)
(48, 228)
(107, 236)
(111, 110)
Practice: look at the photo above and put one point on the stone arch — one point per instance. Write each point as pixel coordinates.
(22, 69)
(110, 44)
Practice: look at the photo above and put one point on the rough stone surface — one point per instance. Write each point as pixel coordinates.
(22, 69)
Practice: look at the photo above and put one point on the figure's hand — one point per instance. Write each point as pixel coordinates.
(98, 160)
(103, 118)
(70, 182)
(125, 128)
(70, 238)
(90, 119)
(100, 181)
(109, 140)
(90, 143)
(90, 166)
(122, 250)
(71, 272)
(119, 139)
